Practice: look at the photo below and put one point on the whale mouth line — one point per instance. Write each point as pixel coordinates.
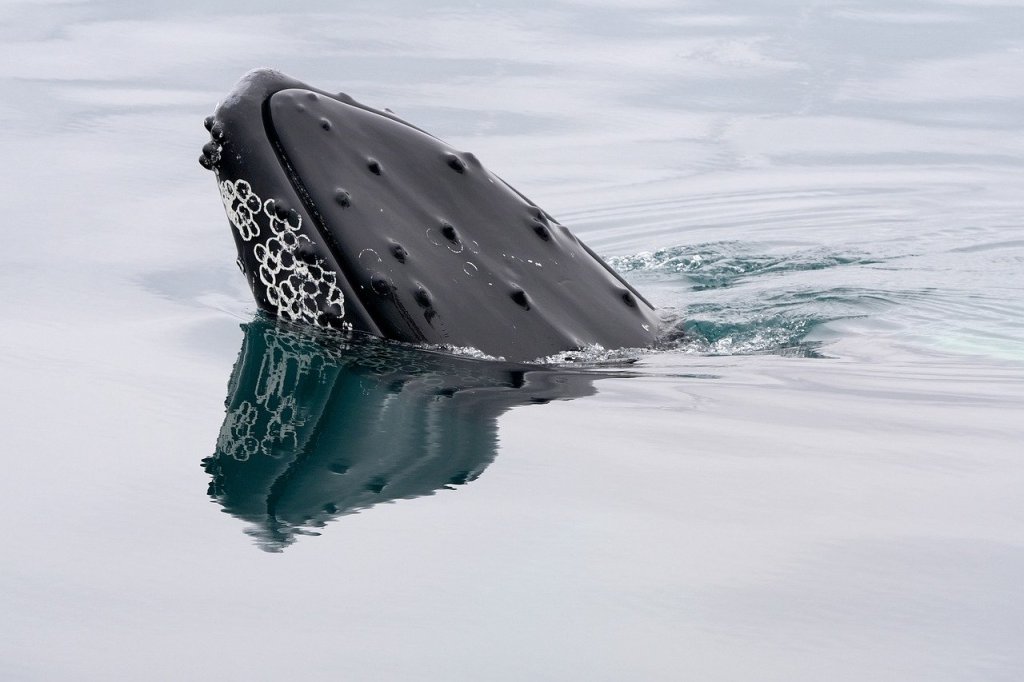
(319, 223)
(298, 186)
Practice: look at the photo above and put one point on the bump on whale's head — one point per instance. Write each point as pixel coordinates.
(348, 217)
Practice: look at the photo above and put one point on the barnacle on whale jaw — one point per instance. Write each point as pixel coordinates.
(296, 282)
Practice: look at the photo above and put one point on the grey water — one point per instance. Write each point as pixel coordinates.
(818, 478)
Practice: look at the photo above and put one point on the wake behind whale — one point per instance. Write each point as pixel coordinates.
(347, 217)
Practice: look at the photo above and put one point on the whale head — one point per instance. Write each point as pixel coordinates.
(347, 217)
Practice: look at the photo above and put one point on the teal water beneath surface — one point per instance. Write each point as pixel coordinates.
(818, 478)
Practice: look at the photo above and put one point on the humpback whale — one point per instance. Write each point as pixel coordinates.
(318, 426)
(347, 217)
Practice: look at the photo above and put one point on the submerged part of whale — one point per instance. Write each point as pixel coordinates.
(348, 217)
(315, 428)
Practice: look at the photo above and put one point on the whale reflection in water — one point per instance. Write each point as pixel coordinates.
(317, 428)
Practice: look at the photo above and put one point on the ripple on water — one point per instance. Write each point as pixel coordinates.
(766, 267)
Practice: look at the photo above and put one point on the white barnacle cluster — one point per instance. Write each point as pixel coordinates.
(299, 288)
(242, 207)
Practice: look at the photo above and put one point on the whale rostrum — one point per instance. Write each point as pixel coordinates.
(347, 217)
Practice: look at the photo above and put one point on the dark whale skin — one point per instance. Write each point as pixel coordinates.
(347, 217)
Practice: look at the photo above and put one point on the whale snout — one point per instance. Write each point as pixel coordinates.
(292, 274)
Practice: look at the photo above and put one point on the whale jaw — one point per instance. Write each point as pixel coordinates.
(347, 217)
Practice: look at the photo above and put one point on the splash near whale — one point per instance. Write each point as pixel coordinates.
(347, 217)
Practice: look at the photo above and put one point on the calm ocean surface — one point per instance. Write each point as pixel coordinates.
(820, 480)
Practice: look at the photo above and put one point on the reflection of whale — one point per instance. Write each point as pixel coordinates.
(348, 217)
(318, 428)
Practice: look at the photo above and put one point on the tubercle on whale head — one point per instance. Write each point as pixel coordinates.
(344, 216)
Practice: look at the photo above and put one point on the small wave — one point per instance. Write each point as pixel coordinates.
(760, 334)
(461, 351)
(594, 355)
(716, 265)
(769, 321)
(705, 311)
